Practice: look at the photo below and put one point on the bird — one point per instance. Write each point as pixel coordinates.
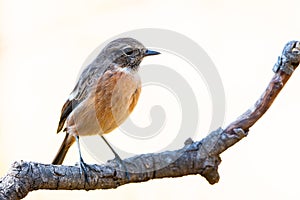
(105, 94)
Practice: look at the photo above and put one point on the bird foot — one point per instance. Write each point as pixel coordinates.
(123, 166)
(83, 169)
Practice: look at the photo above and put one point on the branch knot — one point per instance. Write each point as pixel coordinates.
(289, 59)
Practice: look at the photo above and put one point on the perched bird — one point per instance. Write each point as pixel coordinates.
(104, 96)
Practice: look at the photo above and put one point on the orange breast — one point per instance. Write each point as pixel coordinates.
(116, 95)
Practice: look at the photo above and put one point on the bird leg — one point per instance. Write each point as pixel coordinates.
(83, 165)
(117, 157)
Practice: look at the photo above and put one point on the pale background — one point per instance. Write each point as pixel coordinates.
(44, 43)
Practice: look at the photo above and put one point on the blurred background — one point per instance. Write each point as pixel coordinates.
(44, 43)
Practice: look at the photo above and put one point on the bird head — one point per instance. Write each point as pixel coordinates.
(126, 53)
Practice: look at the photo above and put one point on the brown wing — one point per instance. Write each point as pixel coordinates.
(65, 111)
(80, 92)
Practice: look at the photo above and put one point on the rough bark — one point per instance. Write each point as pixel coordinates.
(201, 157)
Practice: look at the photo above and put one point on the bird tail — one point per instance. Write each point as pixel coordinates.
(63, 150)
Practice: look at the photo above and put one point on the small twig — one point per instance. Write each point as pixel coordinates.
(200, 157)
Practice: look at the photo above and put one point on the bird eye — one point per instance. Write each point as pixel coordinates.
(128, 51)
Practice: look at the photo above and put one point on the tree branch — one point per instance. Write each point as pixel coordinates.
(202, 157)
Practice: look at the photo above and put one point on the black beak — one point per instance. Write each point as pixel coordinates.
(151, 53)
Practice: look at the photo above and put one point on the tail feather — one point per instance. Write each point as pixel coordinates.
(62, 152)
